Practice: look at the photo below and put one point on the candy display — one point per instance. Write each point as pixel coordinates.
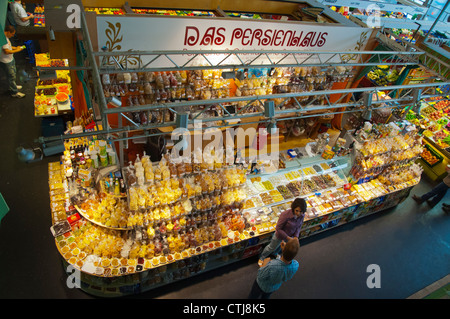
(157, 217)
(150, 212)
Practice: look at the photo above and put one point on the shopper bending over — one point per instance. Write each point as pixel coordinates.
(8, 64)
(288, 226)
(274, 272)
(436, 194)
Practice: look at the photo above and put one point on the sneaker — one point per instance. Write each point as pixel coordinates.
(18, 95)
(417, 199)
(19, 87)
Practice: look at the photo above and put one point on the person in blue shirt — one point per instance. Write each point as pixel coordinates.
(276, 271)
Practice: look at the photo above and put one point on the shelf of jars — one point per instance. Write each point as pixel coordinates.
(155, 90)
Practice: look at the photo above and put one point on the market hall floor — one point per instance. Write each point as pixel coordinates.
(410, 244)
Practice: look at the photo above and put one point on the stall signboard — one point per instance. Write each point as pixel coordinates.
(124, 33)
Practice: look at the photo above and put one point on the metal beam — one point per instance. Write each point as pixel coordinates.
(299, 113)
(175, 105)
(352, 58)
(426, 60)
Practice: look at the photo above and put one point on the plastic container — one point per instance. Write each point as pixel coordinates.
(94, 158)
(104, 160)
(102, 148)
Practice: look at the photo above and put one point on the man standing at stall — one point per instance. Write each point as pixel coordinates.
(435, 195)
(8, 64)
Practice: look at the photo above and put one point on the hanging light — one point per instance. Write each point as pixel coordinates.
(367, 114)
(272, 128)
(115, 102)
(367, 99)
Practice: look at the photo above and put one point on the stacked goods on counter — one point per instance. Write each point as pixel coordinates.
(430, 156)
(52, 96)
(383, 75)
(165, 87)
(210, 217)
(181, 210)
(383, 147)
(83, 123)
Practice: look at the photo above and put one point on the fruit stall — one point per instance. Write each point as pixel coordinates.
(433, 120)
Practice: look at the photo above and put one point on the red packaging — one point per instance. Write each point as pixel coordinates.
(73, 218)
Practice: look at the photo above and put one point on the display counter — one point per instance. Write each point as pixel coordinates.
(53, 93)
(132, 229)
(112, 277)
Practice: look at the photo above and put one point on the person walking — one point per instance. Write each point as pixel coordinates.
(8, 64)
(288, 226)
(437, 193)
(273, 273)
